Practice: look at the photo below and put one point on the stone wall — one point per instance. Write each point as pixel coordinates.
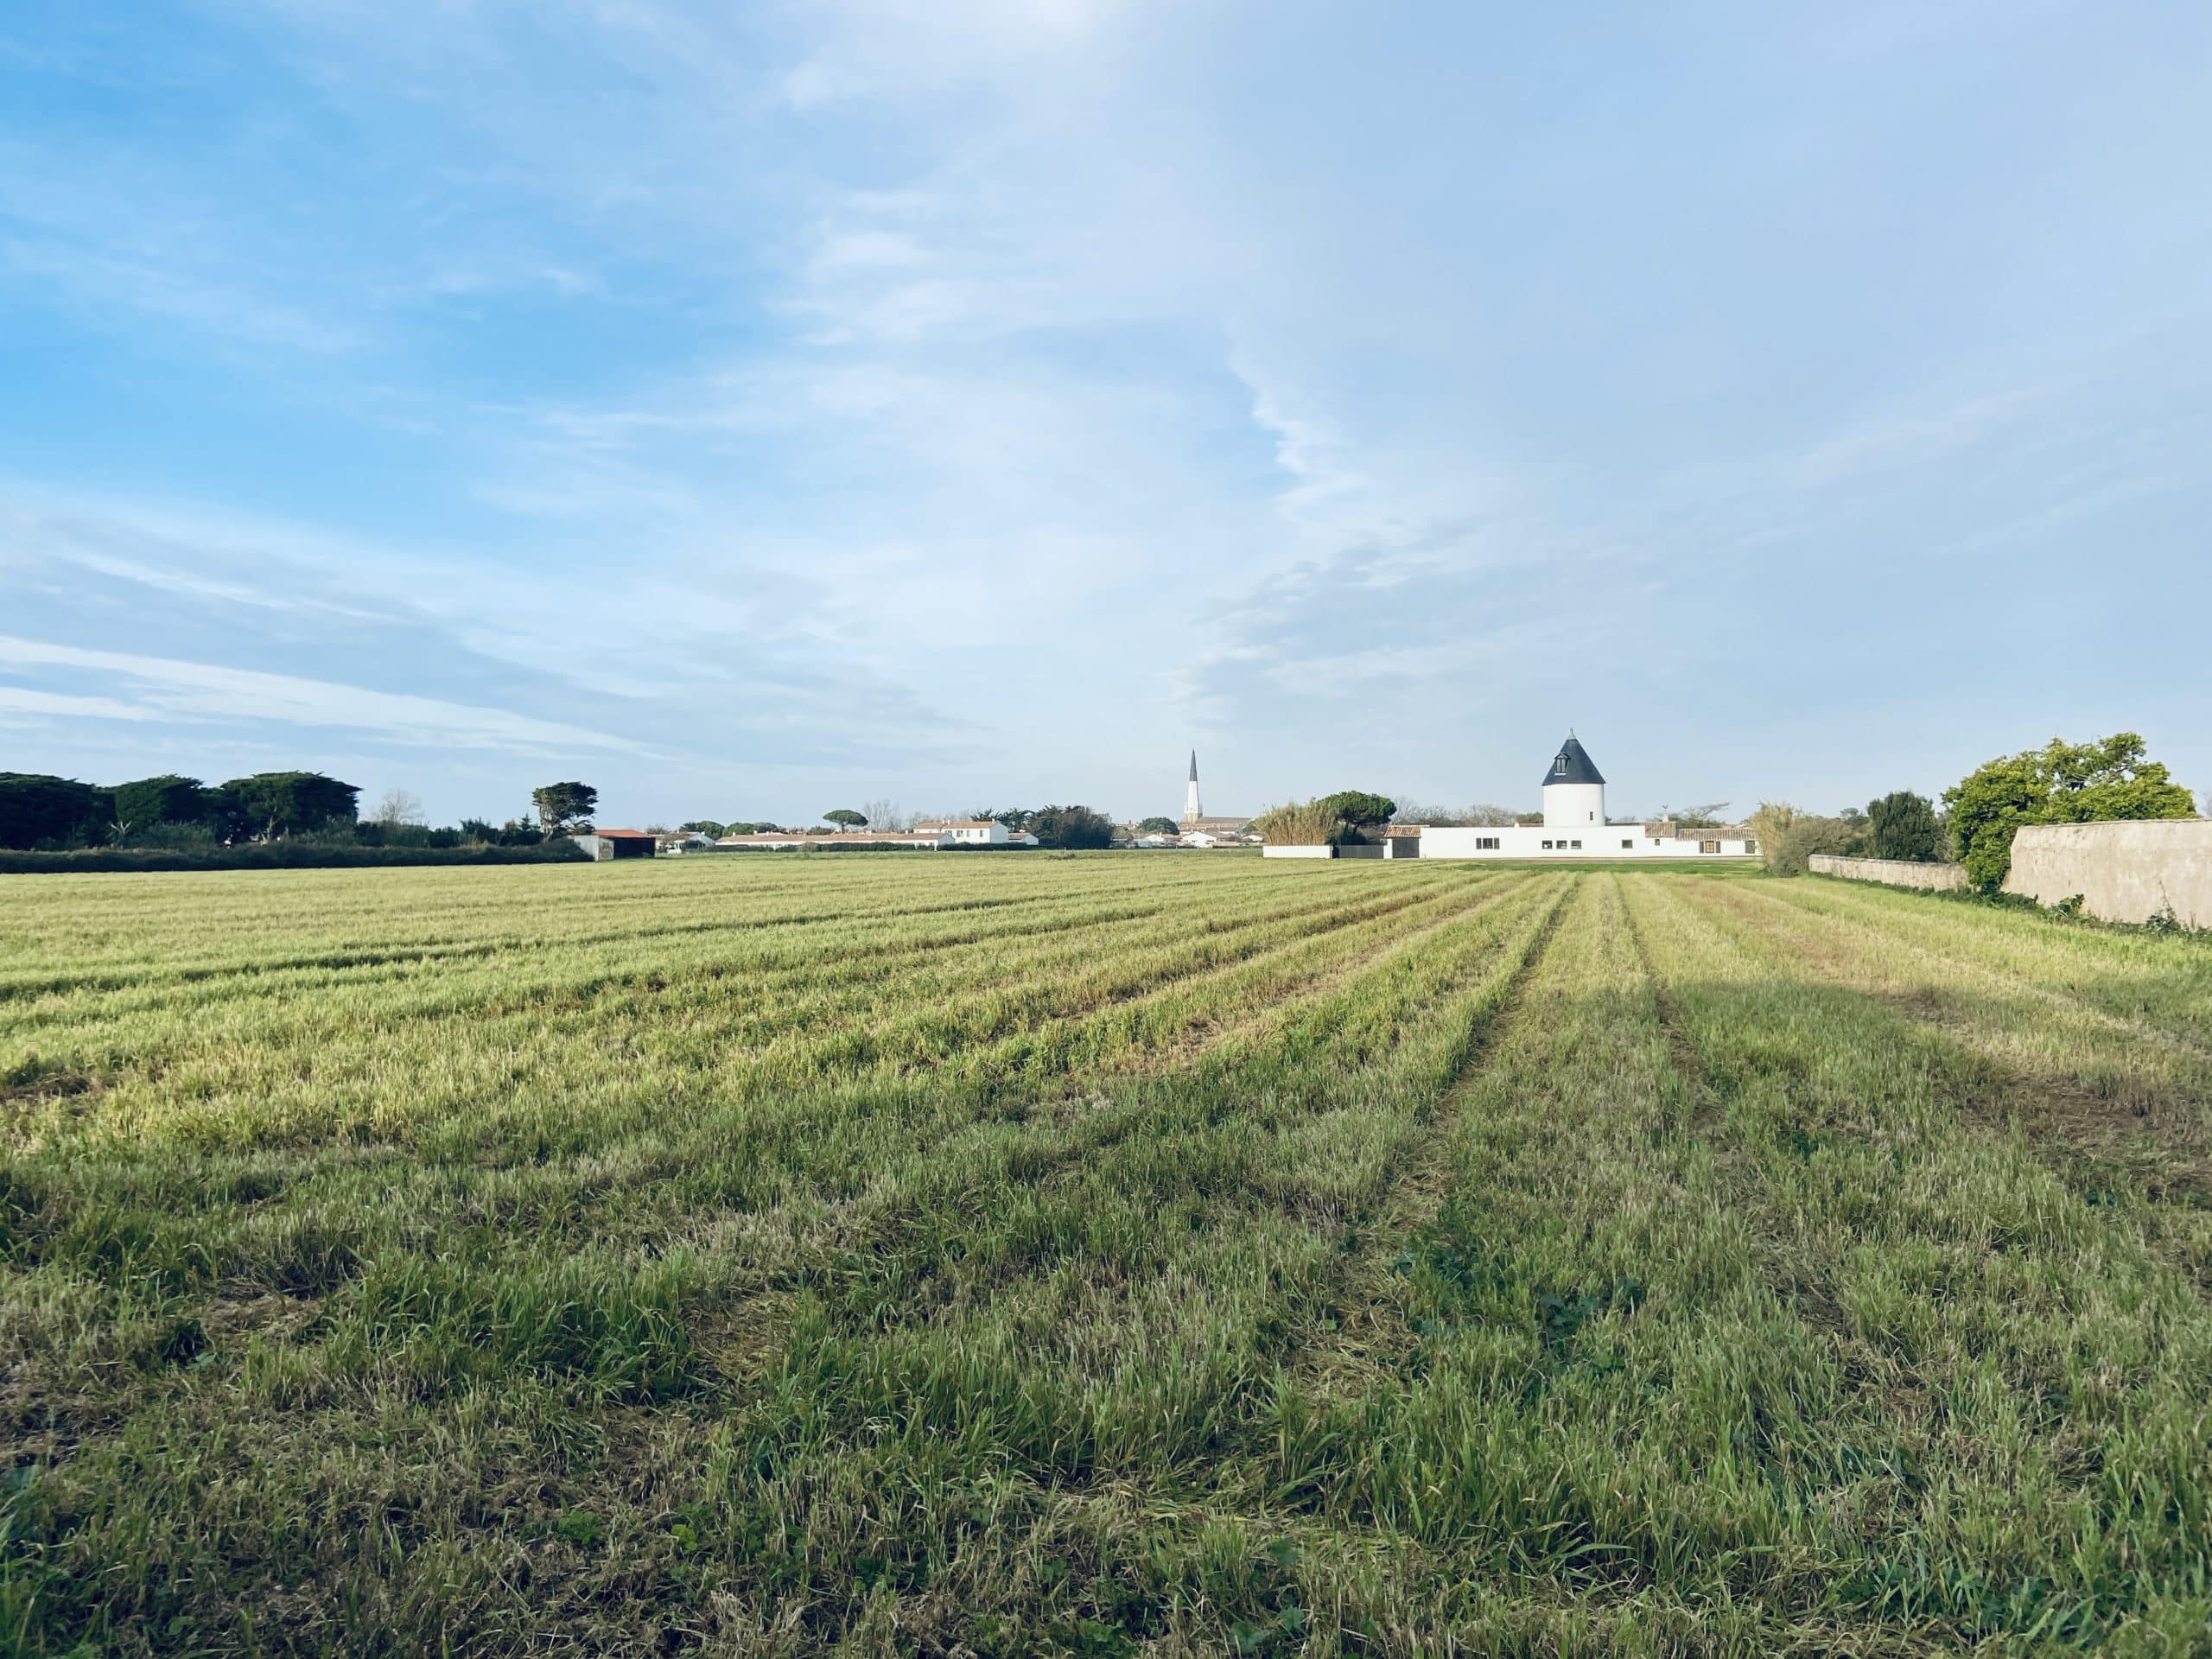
(2123, 871)
(1891, 872)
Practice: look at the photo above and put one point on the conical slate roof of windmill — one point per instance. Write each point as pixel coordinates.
(1578, 768)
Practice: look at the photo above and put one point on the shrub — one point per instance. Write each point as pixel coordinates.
(1807, 835)
(174, 837)
(1904, 825)
(1298, 823)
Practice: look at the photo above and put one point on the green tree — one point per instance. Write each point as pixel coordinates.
(1902, 825)
(2060, 783)
(1069, 827)
(845, 818)
(560, 806)
(705, 827)
(1357, 811)
(282, 803)
(170, 799)
(37, 807)
(1157, 826)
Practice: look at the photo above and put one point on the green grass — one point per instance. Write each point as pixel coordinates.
(1105, 1255)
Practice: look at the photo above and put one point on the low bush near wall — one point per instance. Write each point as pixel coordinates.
(274, 855)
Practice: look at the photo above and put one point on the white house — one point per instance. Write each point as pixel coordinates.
(976, 832)
(800, 841)
(1574, 826)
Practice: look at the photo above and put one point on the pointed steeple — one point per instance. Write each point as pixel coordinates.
(1194, 765)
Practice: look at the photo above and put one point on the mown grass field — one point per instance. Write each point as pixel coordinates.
(1098, 1256)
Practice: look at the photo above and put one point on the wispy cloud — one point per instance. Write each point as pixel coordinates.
(164, 687)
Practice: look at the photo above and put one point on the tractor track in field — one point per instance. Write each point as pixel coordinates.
(1365, 1298)
(2001, 1093)
(2080, 1137)
(865, 1226)
(2187, 1043)
(2122, 1027)
(862, 1225)
(1690, 1061)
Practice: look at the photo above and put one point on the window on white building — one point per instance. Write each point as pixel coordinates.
(1485, 843)
(1577, 846)
(1708, 846)
(1548, 846)
(1629, 846)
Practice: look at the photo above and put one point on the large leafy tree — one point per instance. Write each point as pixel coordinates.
(1070, 827)
(1157, 826)
(560, 806)
(2060, 783)
(36, 807)
(1358, 810)
(170, 799)
(1904, 825)
(845, 818)
(282, 803)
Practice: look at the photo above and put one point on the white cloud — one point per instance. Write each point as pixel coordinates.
(25, 700)
(166, 689)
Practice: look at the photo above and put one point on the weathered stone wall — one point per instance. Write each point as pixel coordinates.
(2123, 871)
(1891, 872)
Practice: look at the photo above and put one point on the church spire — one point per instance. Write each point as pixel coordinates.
(1194, 765)
(1191, 810)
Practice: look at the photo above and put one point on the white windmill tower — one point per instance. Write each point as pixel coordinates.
(1574, 789)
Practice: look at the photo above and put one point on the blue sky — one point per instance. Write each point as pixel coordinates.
(758, 409)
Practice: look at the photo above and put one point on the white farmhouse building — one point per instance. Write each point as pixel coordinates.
(976, 832)
(1574, 826)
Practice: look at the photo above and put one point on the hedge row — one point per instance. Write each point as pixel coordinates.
(276, 855)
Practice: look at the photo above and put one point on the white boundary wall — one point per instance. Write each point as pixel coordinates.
(1273, 851)
(1891, 872)
(2125, 872)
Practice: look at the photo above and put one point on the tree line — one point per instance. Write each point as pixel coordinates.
(175, 813)
(2106, 780)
